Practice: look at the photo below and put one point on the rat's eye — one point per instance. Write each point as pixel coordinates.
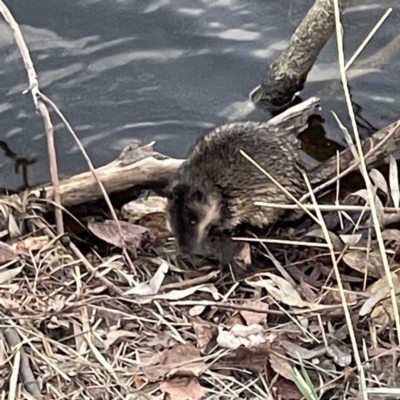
(192, 221)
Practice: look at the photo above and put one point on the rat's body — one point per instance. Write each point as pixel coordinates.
(214, 190)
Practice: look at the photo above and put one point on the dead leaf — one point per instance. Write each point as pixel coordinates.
(253, 317)
(280, 289)
(114, 335)
(140, 381)
(195, 311)
(7, 253)
(299, 352)
(183, 389)
(391, 235)
(233, 320)
(341, 355)
(318, 233)
(253, 358)
(154, 285)
(287, 390)
(137, 209)
(32, 243)
(204, 334)
(181, 359)
(108, 231)
(379, 181)
(8, 274)
(351, 240)
(362, 261)
(180, 294)
(241, 335)
(307, 291)
(156, 223)
(280, 364)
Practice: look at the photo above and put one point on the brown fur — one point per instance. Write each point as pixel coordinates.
(214, 190)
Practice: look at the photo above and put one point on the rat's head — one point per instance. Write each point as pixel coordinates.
(191, 214)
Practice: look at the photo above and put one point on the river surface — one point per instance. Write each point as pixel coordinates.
(169, 70)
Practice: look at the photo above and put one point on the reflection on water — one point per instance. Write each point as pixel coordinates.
(168, 70)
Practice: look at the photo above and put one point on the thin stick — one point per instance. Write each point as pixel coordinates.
(284, 190)
(341, 289)
(324, 207)
(368, 38)
(363, 166)
(40, 107)
(53, 165)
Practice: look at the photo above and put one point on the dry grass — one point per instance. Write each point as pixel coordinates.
(88, 323)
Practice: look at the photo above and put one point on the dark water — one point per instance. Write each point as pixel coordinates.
(167, 70)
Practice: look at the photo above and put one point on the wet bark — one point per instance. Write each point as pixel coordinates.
(288, 74)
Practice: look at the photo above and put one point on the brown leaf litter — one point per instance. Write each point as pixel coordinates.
(180, 331)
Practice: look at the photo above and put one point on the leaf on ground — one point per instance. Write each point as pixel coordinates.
(181, 294)
(280, 289)
(114, 335)
(280, 364)
(286, 390)
(380, 301)
(108, 231)
(157, 226)
(139, 381)
(241, 335)
(180, 360)
(297, 351)
(137, 209)
(318, 233)
(351, 240)
(362, 261)
(154, 285)
(32, 243)
(307, 291)
(341, 355)
(8, 274)
(379, 181)
(254, 359)
(391, 235)
(254, 317)
(196, 310)
(7, 253)
(204, 334)
(183, 389)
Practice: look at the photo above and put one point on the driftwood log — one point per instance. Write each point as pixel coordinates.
(288, 74)
(140, 167)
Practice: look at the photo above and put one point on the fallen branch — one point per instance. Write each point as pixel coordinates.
(288, 74)
(140, 167)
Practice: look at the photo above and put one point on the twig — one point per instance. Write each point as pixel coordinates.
(40, 107)
(53, 165)
(368, 38)
(25, 372)
(93, 171)
(341, 289)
